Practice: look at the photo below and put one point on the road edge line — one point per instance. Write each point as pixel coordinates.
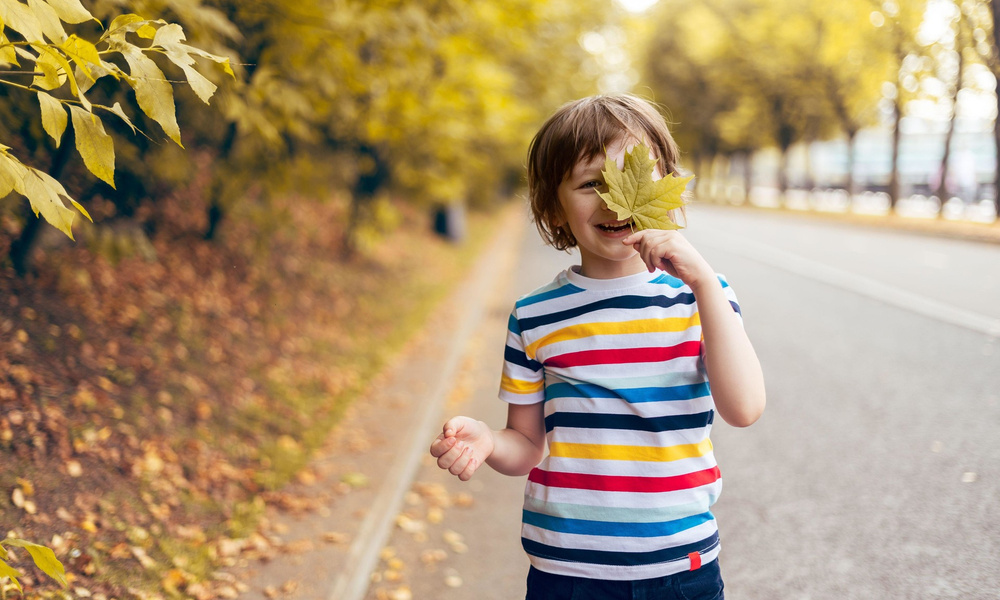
(861, 285)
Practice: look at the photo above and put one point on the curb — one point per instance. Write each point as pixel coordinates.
(362, 557)
(970, 231)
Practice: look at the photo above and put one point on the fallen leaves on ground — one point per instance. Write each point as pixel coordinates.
(335, 537)
(452, 579)
(422, 518)
(176, 396)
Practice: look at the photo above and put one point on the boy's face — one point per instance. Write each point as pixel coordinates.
(597, 230)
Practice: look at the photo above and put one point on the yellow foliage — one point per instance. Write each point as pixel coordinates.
(53, 62)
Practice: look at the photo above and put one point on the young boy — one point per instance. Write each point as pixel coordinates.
(619, 366)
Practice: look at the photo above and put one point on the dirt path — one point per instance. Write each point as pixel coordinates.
(323, 533)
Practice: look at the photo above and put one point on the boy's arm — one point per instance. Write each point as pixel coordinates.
(734, 371)
(464, 444)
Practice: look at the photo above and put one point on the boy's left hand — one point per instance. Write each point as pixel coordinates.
(670, 251)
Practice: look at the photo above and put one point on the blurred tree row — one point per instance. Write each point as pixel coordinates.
(434, 100)
(742, 75)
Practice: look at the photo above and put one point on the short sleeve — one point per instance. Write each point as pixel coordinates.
(523, 379)
(730, 295)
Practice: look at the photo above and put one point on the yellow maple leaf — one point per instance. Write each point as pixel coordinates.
(633, 194)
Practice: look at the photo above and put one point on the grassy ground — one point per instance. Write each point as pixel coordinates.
(152, 399)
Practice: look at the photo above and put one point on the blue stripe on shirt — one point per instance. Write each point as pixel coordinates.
(630, 395)
(559, 292)
(610, 528)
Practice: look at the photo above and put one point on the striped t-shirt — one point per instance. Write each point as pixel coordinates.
(625, 490)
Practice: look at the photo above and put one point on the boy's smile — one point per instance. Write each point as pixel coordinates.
(616, 226)
(597, 229)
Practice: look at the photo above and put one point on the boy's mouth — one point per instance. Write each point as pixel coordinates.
(615, 226)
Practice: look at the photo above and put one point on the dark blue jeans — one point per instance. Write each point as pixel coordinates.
(701, 584)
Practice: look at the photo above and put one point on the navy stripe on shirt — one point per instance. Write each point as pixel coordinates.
(630, 559)
(519, 358)
(618, 302)
(628, 422)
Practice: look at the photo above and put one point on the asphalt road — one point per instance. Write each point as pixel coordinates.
(875, 470)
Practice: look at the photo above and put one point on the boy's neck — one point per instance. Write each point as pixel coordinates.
(599, 268)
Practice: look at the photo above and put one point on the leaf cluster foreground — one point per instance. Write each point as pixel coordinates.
(150, 409)
(633, 194)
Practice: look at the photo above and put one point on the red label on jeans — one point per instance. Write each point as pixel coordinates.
(695, 560)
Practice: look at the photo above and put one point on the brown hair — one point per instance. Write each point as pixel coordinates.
(580, 131)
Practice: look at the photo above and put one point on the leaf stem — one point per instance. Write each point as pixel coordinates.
(32, 73)
(18, 85)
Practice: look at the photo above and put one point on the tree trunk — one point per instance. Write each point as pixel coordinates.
(994, 9)
(706, 184)
(701, 177)
(20, 249)
(747, 175)
(783, 174)
(810, 181)
(996, 137)
(786, 135)
(851, 134)
(216, 210)
(374, 174)
(216, 204)
(894, 185)
(942, 189)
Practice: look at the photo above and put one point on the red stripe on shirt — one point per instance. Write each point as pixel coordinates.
(619, 483)
(624, 355)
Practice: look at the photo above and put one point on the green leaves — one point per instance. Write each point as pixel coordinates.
(60, 61)
(634, 194)
(44, 558)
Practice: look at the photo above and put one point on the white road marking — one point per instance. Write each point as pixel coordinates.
(859, 284)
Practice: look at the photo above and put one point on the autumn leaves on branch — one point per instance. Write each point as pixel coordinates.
(64, 67)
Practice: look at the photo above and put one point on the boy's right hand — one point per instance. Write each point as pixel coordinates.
(463, 445)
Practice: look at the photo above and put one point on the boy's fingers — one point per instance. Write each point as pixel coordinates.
(447, 459)
(452, 427)
(461, 462)
(441, 445)
(470, 469)
(632, 238)
(654, 254)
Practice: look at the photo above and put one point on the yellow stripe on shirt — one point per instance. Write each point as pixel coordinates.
(584, 330)
(516, 386)
(639, 453)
